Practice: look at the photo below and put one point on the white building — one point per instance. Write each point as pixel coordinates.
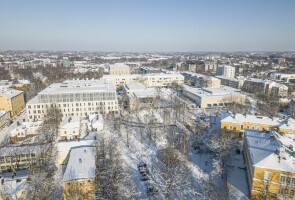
(24, 131)
(95, 122)
(226, 70)
(70, 128)
(200, 80)
(214, 97)
(149, 80)
(231, 82)
(119, 69)
(210, 66)
(74, 97)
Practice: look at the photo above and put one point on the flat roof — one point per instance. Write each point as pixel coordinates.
(211, 92)
(79, 86)
(134, 86)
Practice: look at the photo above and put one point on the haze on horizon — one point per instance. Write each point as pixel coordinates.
(166, 25)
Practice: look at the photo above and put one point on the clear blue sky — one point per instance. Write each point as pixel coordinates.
(148, 25)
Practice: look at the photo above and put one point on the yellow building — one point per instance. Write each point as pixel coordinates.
(79, 179)
(270, 165)
(236, 123)
(12, 100)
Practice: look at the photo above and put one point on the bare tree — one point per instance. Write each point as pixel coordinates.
(113, 182)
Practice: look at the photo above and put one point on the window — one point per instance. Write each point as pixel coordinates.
(230, 127)
(283, 179)
(288, 180)
(266, 175)
(258, 128)
(291, 193)
(293, 181)
(286, 192)
(242, 127)
(281, 191)
(253, 127)
(248, 126)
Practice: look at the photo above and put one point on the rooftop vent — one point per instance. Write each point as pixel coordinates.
(278, 151)
(80, 160)
(291, 147)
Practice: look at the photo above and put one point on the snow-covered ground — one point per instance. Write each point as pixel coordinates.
(5, 131)
(199, 165)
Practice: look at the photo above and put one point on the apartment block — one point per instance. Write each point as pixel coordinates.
(200, 80)
(236, 123)
(231, 82)
(12, 100)
(270, 165)
(226, 70)
(22, 157)
(79, 179)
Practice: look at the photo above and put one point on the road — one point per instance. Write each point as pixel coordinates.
(5, 131)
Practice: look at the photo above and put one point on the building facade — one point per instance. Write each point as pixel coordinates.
(75, 97)
(119, 69)
(207, 98)
(70, 128)
(79, 179)
(12, 100)
(235, 124)
(24, 131)
(269, 165)
(149, 80)
(226, 70)
(4, 117)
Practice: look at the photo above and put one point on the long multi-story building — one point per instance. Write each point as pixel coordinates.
(231, 82)
(12, 100)
(119, 69)
(74, 97)
(200, 80)
(22, 157)
(214, 97)
(270, 164)
(236, 123)
(149, 80)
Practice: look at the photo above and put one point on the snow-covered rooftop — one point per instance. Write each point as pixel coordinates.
(273, 121)
(10, 92)
(79, 86)
(266, 151)
(81, 164)
(71, 122)
(149, 92)
(3, 112)
(209, 92)
(134, 86)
